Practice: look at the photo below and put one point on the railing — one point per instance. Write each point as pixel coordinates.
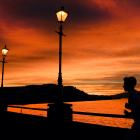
(22, 107)
(77, 112)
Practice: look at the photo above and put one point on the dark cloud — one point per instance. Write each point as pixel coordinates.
(96, 81)
(38, 12)
(129, 6)
(104, 53)
(82, 13)
(46, 55)
(114, 82)
(135, 3)
(118, 77)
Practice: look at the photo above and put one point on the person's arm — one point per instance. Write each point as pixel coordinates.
(128, 106)
(128, 113)
(128, 110)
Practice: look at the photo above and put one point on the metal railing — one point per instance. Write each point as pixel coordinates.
(76, 112)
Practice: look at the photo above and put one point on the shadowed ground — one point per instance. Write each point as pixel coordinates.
(19, 126)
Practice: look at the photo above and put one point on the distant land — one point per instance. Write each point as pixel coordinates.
(47, 93)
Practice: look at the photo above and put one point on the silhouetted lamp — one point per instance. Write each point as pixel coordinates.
(60, 112)
(61, 17)
(4, 53)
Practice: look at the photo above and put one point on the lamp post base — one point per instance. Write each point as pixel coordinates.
(59, 113)
(3, 108)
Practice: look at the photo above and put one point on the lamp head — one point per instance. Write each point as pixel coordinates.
(4, 51)
(61, 15)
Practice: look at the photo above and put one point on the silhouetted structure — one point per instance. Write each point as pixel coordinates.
(3, 105)
(133, 105)
(4, 53)
(28, 126)
(3, 102)
(47, 93)
(60, 112)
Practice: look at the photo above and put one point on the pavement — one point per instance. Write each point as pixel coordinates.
(20, 126)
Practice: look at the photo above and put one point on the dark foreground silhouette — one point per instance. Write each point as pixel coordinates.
(25, 126)
(17, 126)
(133, 106)
(47, 93)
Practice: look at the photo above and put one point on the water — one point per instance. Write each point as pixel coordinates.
(101, 106)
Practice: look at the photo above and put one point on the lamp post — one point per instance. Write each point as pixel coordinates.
(3, 106)
(61, 17)
(4, 53)
(60, 112)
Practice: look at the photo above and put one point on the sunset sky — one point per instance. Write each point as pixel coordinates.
(102, 43)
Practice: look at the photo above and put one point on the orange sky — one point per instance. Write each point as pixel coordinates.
(101, 47)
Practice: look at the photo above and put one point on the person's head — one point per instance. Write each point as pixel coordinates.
(129, 83)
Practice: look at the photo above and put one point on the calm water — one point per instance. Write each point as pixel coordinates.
(103, 106)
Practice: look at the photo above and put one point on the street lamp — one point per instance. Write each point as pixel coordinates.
(3, 106)
(61, 17)
(4, 53)
(60, 112)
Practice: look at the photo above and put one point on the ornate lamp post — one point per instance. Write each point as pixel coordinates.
(60, 112)
(3, 105)
(4, 53)
(61, 17)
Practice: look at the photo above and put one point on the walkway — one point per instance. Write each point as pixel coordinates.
(20, 126)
